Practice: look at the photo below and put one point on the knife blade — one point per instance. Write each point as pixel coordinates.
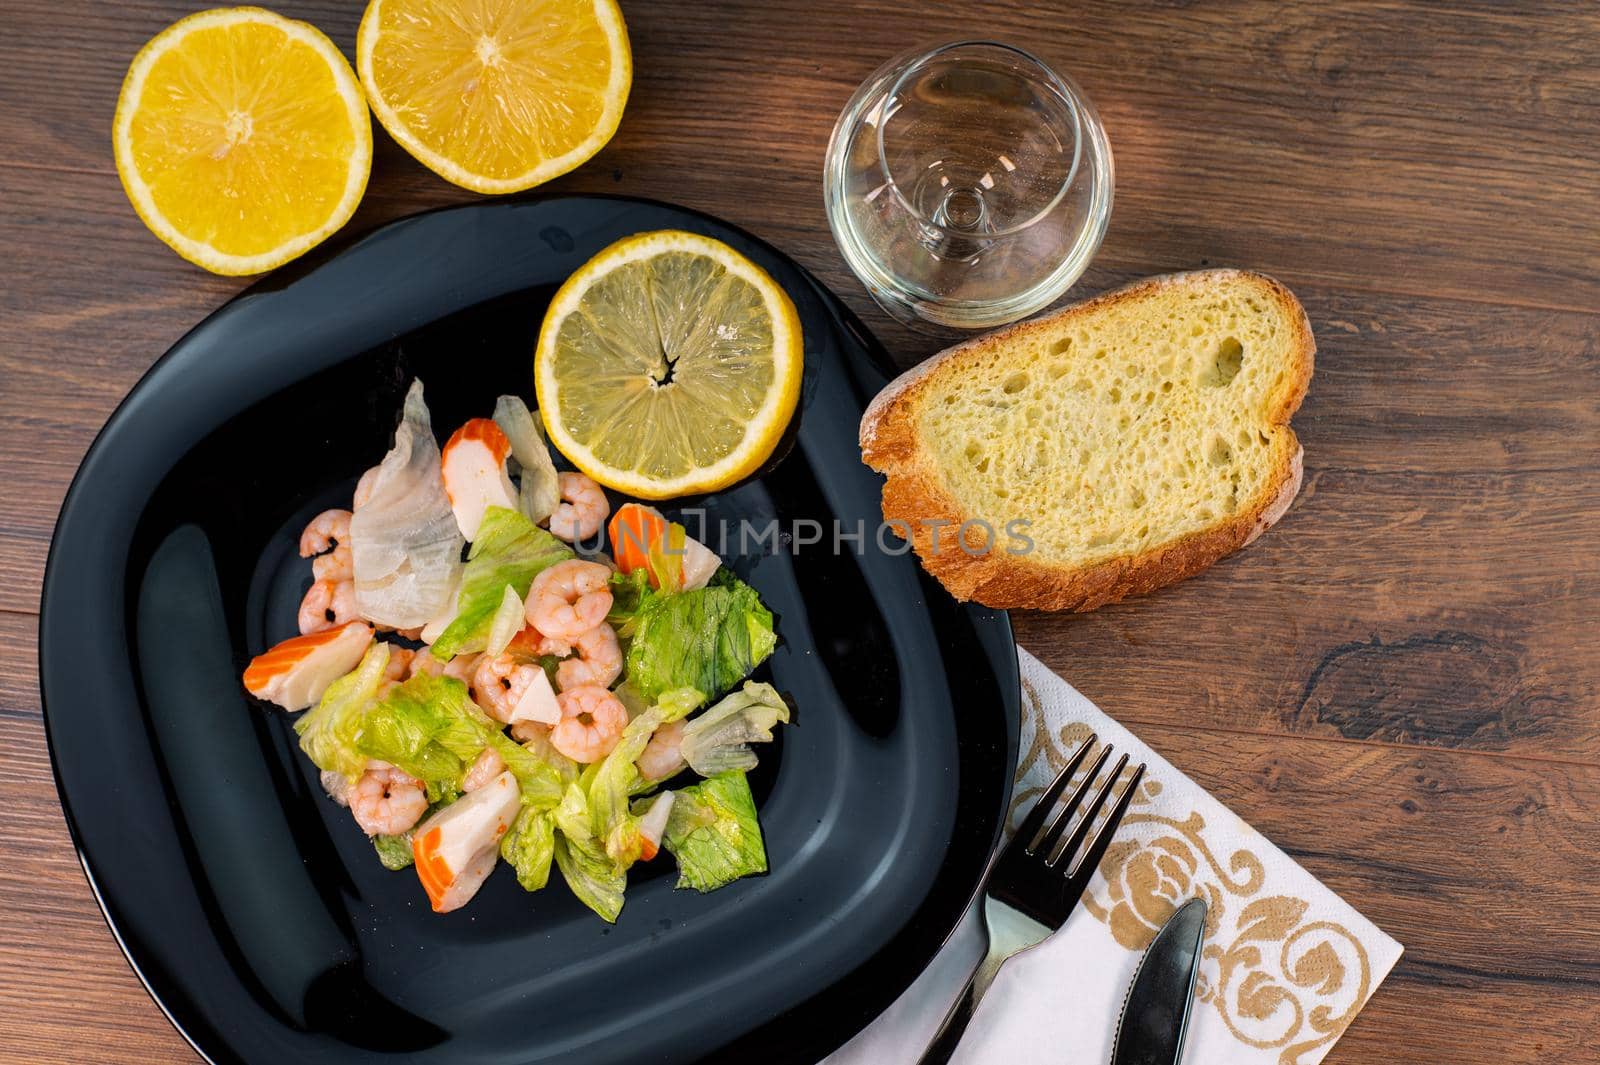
(1156, 1013)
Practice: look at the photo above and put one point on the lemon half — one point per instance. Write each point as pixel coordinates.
(242, 138)
(668, 365)
(496, 95)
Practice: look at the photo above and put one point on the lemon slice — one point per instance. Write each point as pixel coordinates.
(242, 138)
(496, 95)
(669, 364)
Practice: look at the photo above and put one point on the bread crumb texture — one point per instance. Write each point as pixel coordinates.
(1143, 418)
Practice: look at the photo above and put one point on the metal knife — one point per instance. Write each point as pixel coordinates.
(1156, 1014)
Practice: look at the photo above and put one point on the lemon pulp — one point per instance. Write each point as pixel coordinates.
(669, 364)
(496, 95)
(242, 138)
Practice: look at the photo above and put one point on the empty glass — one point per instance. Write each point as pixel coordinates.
(967, 185)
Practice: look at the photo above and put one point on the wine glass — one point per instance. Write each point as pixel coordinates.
(967, 185)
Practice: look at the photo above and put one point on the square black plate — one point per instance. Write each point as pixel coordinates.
(253, 909)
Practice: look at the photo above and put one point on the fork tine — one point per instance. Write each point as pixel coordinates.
(1070, 845)
(1047, 839)
(1035, 817)
(1078, 879)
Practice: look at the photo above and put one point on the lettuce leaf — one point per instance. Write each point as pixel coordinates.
(594, 878)
(508, 620)
(612, 783)
(430, 728)
(530, 847)
(714, 834)
(708, 639)
(628, 594)
(719, 739)
(405, 546)
(328, 730)
(394, 851)
(539, 746)
(541, 774)
(572, 813)
(509, 552)
(596, 835)
(540, 489)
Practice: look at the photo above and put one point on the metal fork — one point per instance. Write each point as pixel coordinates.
(1034, 885)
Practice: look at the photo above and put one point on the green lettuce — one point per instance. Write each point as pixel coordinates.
(541, 775)
(508, 620)
(719, 739)
(594, 878)
(430, 728)
(530, 846)
(713, 833)
(595, 834)
(629, 592)
(572, 813)
(538, 746)
(328, 730)
(540, 489)
(393, 851)
(509, 552)
(708, 639)
(612, 780)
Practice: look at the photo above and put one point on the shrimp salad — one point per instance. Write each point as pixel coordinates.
(480, 681)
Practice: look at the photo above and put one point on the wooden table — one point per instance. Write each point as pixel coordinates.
(1399, 684)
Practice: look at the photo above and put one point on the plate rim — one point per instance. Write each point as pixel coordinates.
(1009, 680)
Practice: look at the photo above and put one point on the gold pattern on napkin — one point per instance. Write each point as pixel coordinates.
(1278, 981)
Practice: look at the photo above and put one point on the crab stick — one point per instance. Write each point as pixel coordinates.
(455, 849)
(638, 532)
(538, 702)
(296, 672)
(474, 468)
(653, 825)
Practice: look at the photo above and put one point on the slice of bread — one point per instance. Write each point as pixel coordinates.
(1109, 448)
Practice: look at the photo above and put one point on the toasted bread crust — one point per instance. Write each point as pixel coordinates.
(914, 497)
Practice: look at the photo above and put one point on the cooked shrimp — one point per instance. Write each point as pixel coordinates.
(461, 668)
(596, 659)
(488, 766)
(530, 642)
(569, 599)
(661, 757)
(582, 510)
(399, 667)
(327, 604)
(385, 801)
(498, 683)
(592, 720)
(523, 731)
(326, 529)
(424, 662)
(364, 487)
(328, 538)
(336, 565)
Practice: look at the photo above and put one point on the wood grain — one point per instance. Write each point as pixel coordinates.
(1398, 684)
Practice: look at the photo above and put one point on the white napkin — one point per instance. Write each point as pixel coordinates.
(1287, 963)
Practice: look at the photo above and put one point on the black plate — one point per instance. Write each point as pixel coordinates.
(254, 910)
